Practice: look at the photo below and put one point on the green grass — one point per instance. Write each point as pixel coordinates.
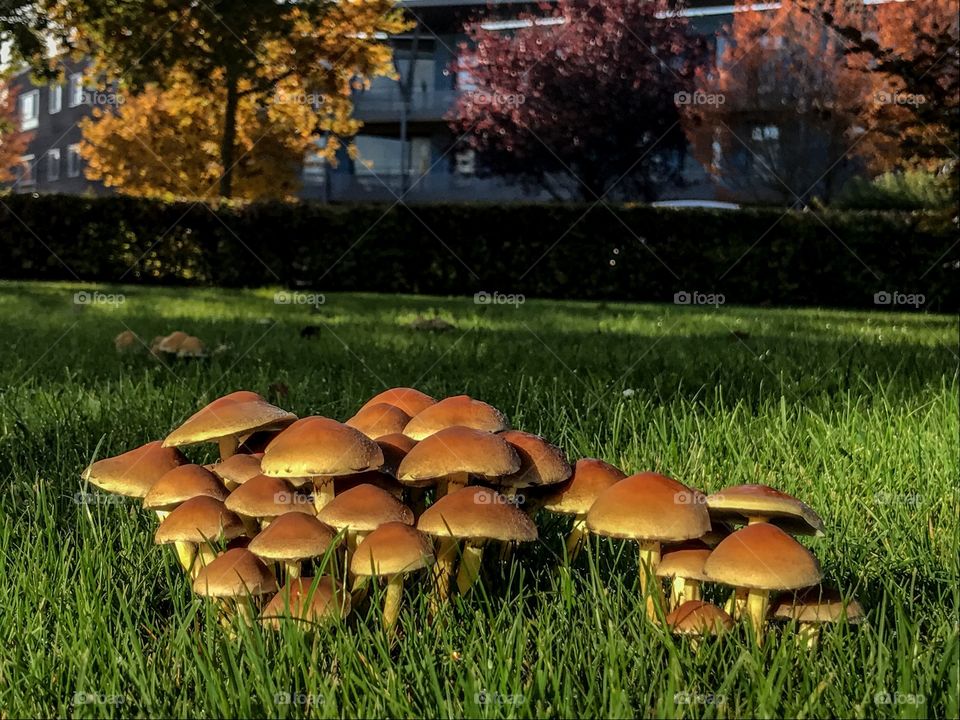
(856, 413)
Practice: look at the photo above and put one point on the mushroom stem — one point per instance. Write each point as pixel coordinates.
(243, 610)
(292, 569)
(391, 603)
(205, 555)
(186, 553)
(452, 482)
(443, 572)
(650, 588)
(753, 520)
(250, 525)
(162, 514)
(577, 538)
(809, 634)
(228, 446)
(358, 593)
(736, 603)
(757, 601)
(469, 565)
(678, 588)
(322, 492)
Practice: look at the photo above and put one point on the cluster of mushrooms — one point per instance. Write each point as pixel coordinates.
(413, 486)
(177, 344)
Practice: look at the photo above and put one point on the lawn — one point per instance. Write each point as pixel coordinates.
(854, 412)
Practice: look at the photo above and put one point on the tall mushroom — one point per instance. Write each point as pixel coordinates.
(650, 509)
(321, 449)
(576, 496)
(237, 575)
(762, 558)
(391, 551)
(197, 521)
(227, 419)
(291, 539)
(474, 515)
(133, 473)
(459, 410)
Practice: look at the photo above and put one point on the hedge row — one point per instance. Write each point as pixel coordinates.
(751, 256)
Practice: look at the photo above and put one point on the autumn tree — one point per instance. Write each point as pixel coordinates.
(775, 115)
(13, 142)
(581, 100)
(243, 53)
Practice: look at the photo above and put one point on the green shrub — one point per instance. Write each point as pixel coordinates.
(911, 190)
(751, 256)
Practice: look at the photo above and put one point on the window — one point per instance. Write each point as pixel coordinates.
(53, 165)
(466, 162)
(73, 161)
(76, 89)
(25, 176)
(56, 99)
(29, 109)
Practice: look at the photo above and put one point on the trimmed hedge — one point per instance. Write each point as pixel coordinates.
(751, 256)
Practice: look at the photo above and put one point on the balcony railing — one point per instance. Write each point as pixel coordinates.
(386, 105)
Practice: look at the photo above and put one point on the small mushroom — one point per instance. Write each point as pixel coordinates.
(410, 400)
(378, 420)
(237, 575)
(650, 509)
(761, 558)
(197, 521)
(460, 410)
(308, 602)
(683, 565)
(177, 486)
(236, 470)
(192, 347)
(576, 496)
(321, 449)
(291, 539)
(263, 498)
(697, 619)
(171, 343)
(392, 551)
(227, 419)
(815, 607)
(474, 515)
(126, 342)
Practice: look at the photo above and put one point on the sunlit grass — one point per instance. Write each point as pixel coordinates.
(856, 413)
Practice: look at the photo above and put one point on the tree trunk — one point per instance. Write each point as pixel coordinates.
(229, 137)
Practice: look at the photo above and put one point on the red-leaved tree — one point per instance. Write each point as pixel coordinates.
(581, 100)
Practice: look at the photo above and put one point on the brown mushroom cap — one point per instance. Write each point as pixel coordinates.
(235, 414)
(576, 495)
(395, 448)
(457, 450)
(743, 502)
(460, 410)
(192, 347)
(718, 532)
(134, 472)
(198, 520)
(540, 462)
(390, 549)
(371, 477)
(126, 341)
(294, 536)
(364, 508)
(171, 343)
(410, 400)
(300, 601)
(684, 560)
(649, 506)
(318, 446)
(817, 604)
(696, 617)
(477, 513)
(235, 573)
(181, 484)
(267, 497)
(762, 557)
(237, 468)
(378, 420)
